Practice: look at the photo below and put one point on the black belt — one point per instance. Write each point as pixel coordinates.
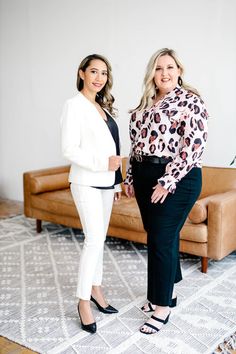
(152, 159)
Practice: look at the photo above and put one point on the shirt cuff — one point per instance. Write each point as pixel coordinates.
(117, 188)
(168, 182)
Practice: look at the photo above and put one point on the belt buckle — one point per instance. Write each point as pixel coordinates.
(138, 158)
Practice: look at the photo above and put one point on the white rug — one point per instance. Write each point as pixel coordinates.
(38, 276)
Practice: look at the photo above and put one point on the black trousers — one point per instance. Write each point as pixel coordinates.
(163, 222)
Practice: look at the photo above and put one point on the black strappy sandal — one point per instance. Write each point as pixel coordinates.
(151, 309)
(154, 327)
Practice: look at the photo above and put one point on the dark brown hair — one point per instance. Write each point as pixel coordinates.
(104, 97)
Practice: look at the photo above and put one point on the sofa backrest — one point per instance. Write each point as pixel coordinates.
(217, 180)
(214, 179)
(124, 164)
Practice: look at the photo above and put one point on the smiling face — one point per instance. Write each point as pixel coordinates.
(166, 74)
(94, 77)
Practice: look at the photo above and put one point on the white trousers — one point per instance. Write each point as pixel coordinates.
(94, 207)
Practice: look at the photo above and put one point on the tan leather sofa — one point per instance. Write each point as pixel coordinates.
(209, 232)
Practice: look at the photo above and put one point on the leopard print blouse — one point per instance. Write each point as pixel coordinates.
(175, 127)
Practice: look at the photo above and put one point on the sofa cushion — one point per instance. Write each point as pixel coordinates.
(194, 232)
(40, 184)
(58, 202)
(126, 215)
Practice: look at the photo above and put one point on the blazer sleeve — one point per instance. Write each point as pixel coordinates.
(71, 141)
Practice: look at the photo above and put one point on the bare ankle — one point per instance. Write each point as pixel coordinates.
(98, 295)
(84, 307)
(84, 303)
(162, 310)
(85, 311)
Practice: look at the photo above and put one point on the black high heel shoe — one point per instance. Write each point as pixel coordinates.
(151, 309)
(108, 310)
(91, 327)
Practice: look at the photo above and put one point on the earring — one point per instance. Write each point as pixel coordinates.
(180, 81)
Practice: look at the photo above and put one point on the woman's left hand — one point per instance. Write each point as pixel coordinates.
(117, 196)
(159, 194)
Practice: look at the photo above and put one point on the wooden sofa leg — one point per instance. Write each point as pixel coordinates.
(204, 263)
(38, 225)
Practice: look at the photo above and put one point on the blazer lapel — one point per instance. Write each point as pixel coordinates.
(99, 123)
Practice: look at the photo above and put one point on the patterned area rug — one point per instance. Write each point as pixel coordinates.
(38, 277)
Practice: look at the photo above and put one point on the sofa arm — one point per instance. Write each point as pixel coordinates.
(41, 184)
(198, 212)
(222, 224)
(34, 181)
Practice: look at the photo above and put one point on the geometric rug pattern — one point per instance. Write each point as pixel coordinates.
(38, 277)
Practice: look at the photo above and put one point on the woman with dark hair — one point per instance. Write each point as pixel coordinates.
(90, 141)
(164, 173)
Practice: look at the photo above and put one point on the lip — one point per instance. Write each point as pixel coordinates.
(97, 84)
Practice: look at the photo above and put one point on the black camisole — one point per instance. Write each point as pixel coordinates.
(112, 126)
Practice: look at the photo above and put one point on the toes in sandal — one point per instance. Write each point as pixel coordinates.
(154, 329)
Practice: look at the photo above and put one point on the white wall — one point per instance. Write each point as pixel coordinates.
(43, 41)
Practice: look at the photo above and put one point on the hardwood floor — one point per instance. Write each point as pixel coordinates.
(10, 208)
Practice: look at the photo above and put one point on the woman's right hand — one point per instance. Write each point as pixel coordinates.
(114, 163)
(129, 190)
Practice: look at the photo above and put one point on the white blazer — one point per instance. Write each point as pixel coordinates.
(87, 143)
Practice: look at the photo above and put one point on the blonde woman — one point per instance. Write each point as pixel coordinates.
(90, 141)
(168, 132)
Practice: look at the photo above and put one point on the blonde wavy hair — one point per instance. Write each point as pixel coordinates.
(149, 84)
(104, 97)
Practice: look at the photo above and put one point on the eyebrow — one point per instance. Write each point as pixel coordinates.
(160, 66)
(97, 69)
